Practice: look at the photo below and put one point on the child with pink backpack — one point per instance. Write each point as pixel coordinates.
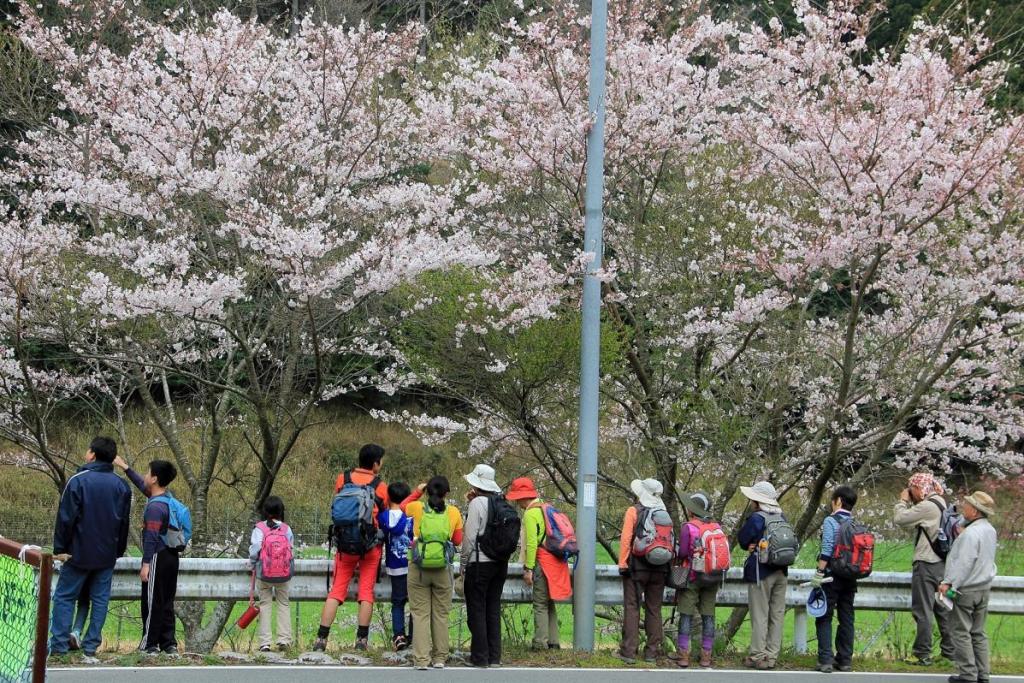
(704, 557)
(273, 559)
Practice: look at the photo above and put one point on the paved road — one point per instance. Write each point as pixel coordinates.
(337, 674)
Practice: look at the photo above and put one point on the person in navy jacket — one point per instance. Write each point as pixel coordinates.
(90, 533)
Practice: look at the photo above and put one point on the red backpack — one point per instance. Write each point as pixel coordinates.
(559, 536)
(854, 552)
(276, 558)
(710, 558)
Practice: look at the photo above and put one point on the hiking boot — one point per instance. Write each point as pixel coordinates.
(824, 668)
(845, 668)
(554, 646)
(264, 648)
(764, 665)
(320, 645)
(362, 644)
(74, 641)
(624, 659)
(920, 661)
(151, 651)
(171, 650)
(683, 659)
(750, 662)
(400, 642)
(89, 659)
(705, 659)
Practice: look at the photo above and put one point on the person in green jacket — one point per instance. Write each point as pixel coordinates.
(541, 570)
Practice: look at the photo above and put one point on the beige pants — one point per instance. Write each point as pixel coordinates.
(767, 610)
(269, 594)
(430, 602)
(545, 612)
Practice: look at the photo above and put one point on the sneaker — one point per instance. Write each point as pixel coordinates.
(920, 661)
(171, 650)
(439, 664)
(624, 659)
(89, 659)
(74, 641)
(764, 665)
(422, 667)
(750, 662)
(400, 642)
(151, 651)
(845, 668)
(320, 645)
(264, 648)
(283, 647)
(362, 644)
(554, 646)
(824, 668)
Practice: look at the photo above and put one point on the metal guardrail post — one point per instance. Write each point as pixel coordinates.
(800, 630)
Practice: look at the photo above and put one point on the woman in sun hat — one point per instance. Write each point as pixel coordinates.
(641, 581)
(766, 583)
(484, 575)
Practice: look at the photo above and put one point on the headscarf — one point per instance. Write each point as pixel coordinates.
(927, 483)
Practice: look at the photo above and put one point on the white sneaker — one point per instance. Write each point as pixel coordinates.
(74, 641)
(438, 664)
(88, 659)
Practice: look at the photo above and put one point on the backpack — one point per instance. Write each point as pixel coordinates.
(782, 545)
(559, 536)
(854, 552)
(399, 539)
(500, 537)
(710, 558)
(276, 561)
(654, 537)
(949, 529)
(179, 523)
(352, 517)
(433, 547)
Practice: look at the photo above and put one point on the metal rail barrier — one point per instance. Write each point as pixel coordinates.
(228, 579)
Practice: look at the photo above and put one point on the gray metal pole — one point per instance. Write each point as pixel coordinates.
(586, 477)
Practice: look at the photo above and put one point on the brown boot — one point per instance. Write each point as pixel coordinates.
(683, 661)
(705, 659)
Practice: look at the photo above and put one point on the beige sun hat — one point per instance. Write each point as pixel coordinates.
(648, 492)
(482, 477)
(982, 502)
(761, 492)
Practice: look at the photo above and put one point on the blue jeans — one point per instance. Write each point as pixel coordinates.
(82, 612)
(399, 598)
(69, 587)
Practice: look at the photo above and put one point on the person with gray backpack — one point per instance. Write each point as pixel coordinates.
(773, 547)
(922, 508)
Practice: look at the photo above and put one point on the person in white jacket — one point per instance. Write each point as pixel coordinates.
(970, 569)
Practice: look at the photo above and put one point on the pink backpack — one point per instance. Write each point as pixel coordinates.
(276, 558)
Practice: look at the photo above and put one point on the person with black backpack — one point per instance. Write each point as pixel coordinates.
(921, 507)
(359, 497)
(773, 547)
(647, 546)
(490, 537)
(847, 554)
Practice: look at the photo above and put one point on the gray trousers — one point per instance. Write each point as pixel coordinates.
(970, 610)
(924, 581)
(767, 610)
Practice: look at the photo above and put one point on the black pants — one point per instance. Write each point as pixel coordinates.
(840, 595)
(484, 583)
(158, 602)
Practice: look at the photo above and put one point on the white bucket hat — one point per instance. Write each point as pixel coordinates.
(761, 492)
(482, 477)
(648, 491)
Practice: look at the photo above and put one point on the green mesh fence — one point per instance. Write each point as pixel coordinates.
(19, 600)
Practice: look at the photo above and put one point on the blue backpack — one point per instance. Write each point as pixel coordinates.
(352, 517)
(179, 525)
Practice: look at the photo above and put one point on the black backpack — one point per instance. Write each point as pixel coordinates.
(500, 537)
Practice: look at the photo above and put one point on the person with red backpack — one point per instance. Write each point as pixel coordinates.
(549, 541)
(847, 553)
(646, 548)
(273, 559)
(704, 549)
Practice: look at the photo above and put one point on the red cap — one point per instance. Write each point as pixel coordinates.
(521, 488)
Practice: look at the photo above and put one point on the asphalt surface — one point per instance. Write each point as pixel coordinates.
(346, 674)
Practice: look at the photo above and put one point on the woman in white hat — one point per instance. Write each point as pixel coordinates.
(485, 564)
(766, 581)
(642, 581)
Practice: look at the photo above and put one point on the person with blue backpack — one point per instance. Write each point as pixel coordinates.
(397, 527)
(273, 560)
(359, 496)
(166, 532)
(549, 542)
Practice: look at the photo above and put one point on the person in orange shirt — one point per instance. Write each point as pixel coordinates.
(367, 563)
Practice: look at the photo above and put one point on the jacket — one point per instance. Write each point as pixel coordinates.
(924, 518)
(476, 524)
(93, 517)
(397, 528)
(751, 533)
(971, 563)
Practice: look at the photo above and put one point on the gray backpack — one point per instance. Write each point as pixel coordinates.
(779, 545)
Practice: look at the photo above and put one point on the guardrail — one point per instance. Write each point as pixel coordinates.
(228, 579)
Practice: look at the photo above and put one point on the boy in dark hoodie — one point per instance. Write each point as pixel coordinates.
(397, 529)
